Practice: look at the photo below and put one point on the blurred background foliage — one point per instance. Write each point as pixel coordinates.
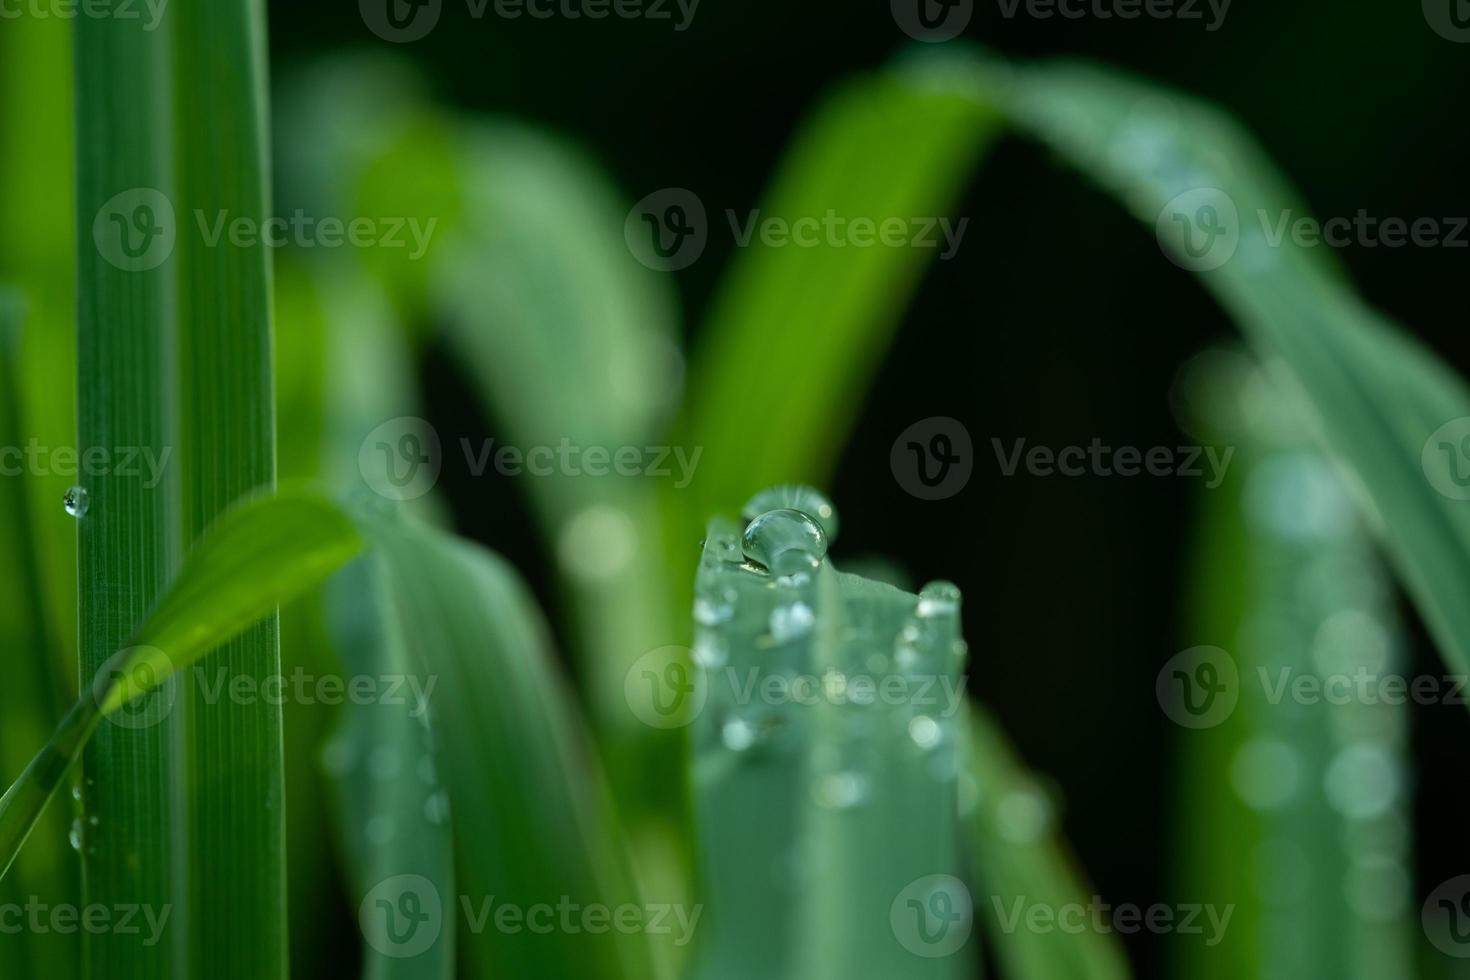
(1059, 321)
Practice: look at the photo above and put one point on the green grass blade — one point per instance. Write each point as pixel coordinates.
(129, 543)
(175, 355)
(796, 334)
(825, 711)
(235, 808)
(532, 823)
(1020, 864)
(260, 555)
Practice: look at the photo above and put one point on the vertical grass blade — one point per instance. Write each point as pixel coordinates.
(129, 541)
(174, 358)
(232, 751)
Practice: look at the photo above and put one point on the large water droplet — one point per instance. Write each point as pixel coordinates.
(785, 541)
(794, 497)
(76, 500)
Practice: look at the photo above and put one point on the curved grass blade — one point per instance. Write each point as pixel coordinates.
(1019, 864)
(259, 555)
(1384, 407)
(796, 334)
(533, 826)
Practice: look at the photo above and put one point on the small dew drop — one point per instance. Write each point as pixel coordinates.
(842, 790)
(790, 622)
(737, 734)
(76, 500)
(938, 599)
(1023, 816)
(436, 807)
(75, 837)
(708, 613)
(76, 792)
(379, 830)
(710, 651)
(385, 762)
(925, 731)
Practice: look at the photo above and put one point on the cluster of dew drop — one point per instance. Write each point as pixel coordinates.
(787, 534)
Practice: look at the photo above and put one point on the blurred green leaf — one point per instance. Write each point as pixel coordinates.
(394, 811)
(533, 826)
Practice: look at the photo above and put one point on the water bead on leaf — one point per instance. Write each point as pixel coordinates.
(794, 497)
(784, 541)
(76, 500)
